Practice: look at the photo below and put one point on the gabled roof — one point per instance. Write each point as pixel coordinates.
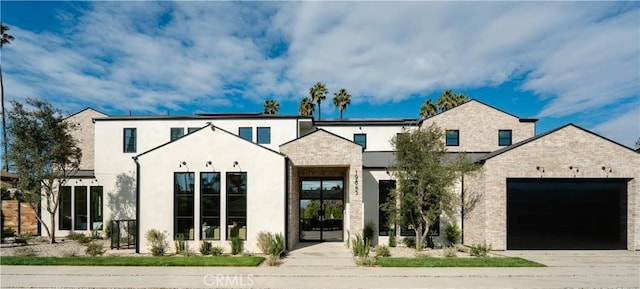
(214, 128)
(532, 139)
(87, 108)
(203, 116)
(368, 121)
(487, 105)
(315, 131)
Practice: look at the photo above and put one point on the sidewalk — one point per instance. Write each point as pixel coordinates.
(319, 255)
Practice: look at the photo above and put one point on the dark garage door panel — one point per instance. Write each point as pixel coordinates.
(566, 214)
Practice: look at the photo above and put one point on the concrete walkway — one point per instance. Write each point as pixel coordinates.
(319, 255)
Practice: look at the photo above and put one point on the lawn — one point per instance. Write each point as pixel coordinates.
(134, 261)
(456, 262)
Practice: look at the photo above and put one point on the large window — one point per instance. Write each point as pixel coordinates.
(385, 187)
(264, 135)
(176, 132)
(453, 138)
(210, 205)
(80, 218)
(64, 213)
(130, 140)
(504, 137)
(361, 139)
(96, 208)
(237, 205)
(183, 205)
(246, 133)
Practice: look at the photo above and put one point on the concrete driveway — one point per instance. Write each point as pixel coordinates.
(309, 269)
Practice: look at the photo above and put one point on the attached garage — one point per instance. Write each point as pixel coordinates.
(566, 213)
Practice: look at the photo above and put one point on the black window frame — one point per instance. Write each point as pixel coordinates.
(504, 141)
(260, 137)
(210, 194)
(246, 128)
(192, 129)
(179, 196)
(80, 208)
(65, 209)
(130, 142)
(96, 205)
(363, 145)
(234, 222)
(383, 229)
(451, 141)
(176, 133)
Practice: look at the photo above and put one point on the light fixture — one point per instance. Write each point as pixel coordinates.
(574, 169)
(208, 164)
(606, 169)
(540, 169)
(235, 164)
(182, 163)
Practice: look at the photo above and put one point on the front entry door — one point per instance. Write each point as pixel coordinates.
(321, 209)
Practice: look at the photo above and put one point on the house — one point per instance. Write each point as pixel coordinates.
(217, 176)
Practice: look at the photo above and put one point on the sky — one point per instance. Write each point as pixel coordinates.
(560, 62)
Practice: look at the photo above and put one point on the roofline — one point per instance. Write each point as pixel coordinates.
(531, 139)
(193, 132)
(316, 130)
(369, 122)
(86, 108)
(200, 117)
(480, 102)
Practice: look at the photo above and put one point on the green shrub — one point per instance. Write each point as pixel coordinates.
(382, 251)
(366, 261)
(94, 235)
(368, 231)
(8, 232)
(95, 249)
(205, 248)
(264, 240)
(237, 246)
(216, 250)
(452, 233)
(361, 247)
(276, 245)
(273, 260)
(392, 238)
(480, 250)
(22, 238)
(79, 237)
(25, 252)
(450, 252)
(157, 241)
(179, 243)
(409, 242)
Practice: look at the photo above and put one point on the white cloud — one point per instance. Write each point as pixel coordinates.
(624, 127)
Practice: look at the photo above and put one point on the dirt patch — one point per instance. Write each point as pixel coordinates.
(63, 248)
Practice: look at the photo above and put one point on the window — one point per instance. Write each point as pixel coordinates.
(130, 140)
(192, 129)
(80, 220)
(210, 205)
(183, 205)
(246, 133)
(385, 187)
(176, 133)
(264, 135)
(64, 213)
(453, 138)
(237, 205)
(504, 137)
(361, 139)
(95, 207)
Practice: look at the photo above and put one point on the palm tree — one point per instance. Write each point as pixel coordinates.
(428, 109)
(318, 93)
(446, 100)
(341, 100)
(271, 107)
(307, 107)
(461, 98)
(6, 39)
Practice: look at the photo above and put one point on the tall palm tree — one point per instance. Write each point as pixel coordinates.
(307, 107)
(428, 109)
(271, 107)
(6, 39)
(447, 100)
(318, 93)
(461, 98)
(341, 100)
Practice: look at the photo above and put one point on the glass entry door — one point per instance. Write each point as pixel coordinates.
(321, 209)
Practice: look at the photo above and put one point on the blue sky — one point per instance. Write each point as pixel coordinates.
(560, 62)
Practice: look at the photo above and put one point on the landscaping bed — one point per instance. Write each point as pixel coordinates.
(136, 261)
(456, 262)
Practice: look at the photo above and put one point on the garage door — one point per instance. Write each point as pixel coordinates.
(566, 214)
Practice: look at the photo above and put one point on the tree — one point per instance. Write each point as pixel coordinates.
(424, 174)
(428, 109)
(307, 107)
(318, 93)
(6, 39)
(341, 100)
(271, 107)
(44, 155)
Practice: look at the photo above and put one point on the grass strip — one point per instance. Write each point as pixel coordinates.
(230, 261)
(457, 262)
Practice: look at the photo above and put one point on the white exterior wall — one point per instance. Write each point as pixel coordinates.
(265, 184)
(378, 136)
